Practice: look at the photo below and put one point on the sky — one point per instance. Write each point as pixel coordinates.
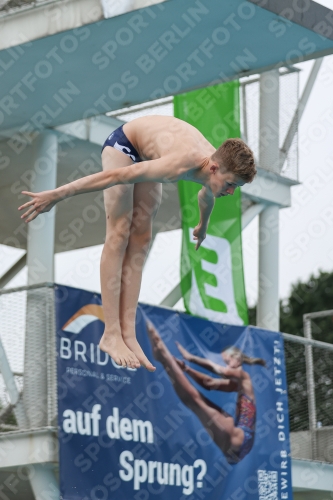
(306, 228)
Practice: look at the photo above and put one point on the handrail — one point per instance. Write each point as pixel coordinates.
(27, 287)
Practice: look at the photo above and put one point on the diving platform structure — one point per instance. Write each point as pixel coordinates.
(66, 71)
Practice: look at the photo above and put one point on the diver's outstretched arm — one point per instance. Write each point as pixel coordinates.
(205, 363)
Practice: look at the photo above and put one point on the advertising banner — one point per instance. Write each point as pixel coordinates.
(212, 279)
(211, 423)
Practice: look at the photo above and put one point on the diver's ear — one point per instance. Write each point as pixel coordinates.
(214, 168)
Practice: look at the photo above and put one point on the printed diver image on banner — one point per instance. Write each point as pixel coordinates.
(210, 423)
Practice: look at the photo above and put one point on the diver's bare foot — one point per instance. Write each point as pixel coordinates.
(181, 364)
(114, 345)
(160, 350)
(135, 347)
(186, 355)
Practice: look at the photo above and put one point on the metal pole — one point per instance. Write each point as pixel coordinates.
(300, 109)
(311, 386)
(12, 272)
(301, 106)
(319, 314)
(23, 288)
(11, 387)
(40, 261)
(251, 213)
(40, 245)
(244, 113)
(301, 340)
(268, 293)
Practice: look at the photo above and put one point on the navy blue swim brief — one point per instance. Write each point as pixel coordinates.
(118, 140)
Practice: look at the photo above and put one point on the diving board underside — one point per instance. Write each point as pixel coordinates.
(166, 49)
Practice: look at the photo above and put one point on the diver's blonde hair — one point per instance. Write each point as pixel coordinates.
(236, 157)
(235, 351)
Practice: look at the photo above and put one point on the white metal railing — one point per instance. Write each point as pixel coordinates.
(27, 357)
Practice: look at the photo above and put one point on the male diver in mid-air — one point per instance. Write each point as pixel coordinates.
(137, 159)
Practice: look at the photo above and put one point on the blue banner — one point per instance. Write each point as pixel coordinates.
(211, 423)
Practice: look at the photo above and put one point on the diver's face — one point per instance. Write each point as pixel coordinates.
(232, 360)
(224, 183)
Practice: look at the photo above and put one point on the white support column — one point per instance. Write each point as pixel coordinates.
(40, 245)
(268, 281)
(40, 261)
(269, 151)
(268, 294)
(44, 483)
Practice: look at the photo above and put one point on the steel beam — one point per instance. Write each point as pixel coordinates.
(11, 387)
(251, 213)
(293, 127)
(21, 448)
(270, 187)
(94, 130)
(173, 297)
(13, 271)
(310, 476)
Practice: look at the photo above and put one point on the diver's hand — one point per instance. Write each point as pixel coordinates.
(40, 203)
(199, 234)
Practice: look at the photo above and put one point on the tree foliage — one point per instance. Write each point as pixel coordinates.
(314, 295)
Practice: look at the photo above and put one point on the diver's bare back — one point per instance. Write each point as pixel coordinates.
(158, 136)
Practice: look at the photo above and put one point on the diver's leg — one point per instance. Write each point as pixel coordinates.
(146, 201)
(207, 382)
(118, 202)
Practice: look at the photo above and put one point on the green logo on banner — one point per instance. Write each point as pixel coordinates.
(212, 278)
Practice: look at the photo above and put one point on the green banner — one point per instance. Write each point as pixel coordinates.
(212, 278)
